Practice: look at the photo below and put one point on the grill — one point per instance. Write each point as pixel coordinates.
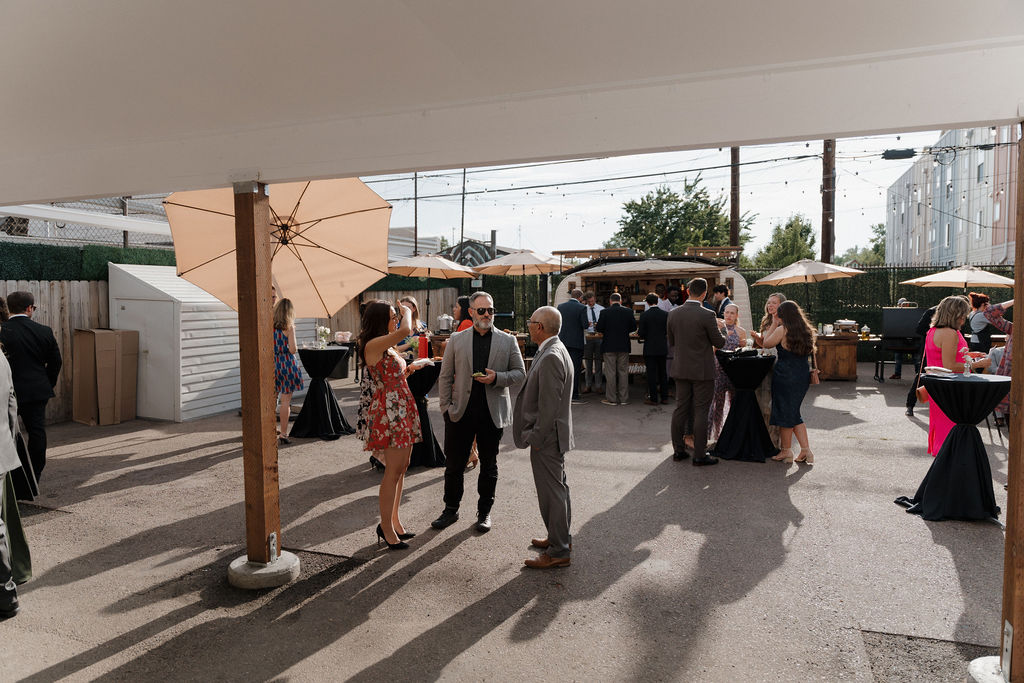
(899, 335)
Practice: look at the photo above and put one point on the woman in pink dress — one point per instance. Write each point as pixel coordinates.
(391, 423)
(945, 346)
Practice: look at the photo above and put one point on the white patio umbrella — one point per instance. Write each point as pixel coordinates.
(807, 271)
(961, 276)
(519, 263)
(430, 265)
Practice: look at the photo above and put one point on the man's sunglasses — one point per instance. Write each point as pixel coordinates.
(485, 311)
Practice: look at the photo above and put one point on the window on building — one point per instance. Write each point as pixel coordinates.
(995, 213)
(919, 208)
(977, 226)
(948, 235)
(917, 249)
(959, 225)
(931, 235)
(981, 171)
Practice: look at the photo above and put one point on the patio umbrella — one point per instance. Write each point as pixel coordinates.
(330, 242)
(519, 263)
(430, 265)
(961, 276)
(807, 271)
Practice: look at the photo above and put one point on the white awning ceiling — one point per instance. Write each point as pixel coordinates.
(112, 97)
(91, 218)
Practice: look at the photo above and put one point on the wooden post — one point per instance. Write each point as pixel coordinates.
(256, 353)
(1013, 553)
(828, 201)
(734, 203)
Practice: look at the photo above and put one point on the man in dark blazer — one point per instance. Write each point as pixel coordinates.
(694, 335)
(720, 299)
(653, 334)
(35, 361)
(615, 324)
(574, 324)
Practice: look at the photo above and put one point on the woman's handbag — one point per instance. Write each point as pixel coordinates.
(921, 391)
(815, 379)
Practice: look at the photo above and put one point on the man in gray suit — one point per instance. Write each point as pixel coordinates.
(694, 335)
(543, 421)
(479, 366)
(574, 324)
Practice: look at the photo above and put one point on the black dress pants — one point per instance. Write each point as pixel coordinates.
(576, 355)
(8, 590)
(657, 378)
(476, 423)
(33, 414)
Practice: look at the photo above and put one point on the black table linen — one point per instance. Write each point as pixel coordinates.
(958, 484)
(428, 451)
(744, 435)
(321, 415)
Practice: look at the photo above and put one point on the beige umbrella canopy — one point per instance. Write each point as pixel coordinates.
(430, 265)
(518, 263)
(961, 276)
(806, 270)
(330, 242)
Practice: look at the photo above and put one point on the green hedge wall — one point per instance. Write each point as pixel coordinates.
(862, 297)
(51, 262)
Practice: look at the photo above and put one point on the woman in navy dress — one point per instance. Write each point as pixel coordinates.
(792, 333)
(287, 378)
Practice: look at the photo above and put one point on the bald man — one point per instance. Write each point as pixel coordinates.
(542, 420)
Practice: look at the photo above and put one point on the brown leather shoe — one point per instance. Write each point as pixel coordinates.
(545, 561)
(541, 543)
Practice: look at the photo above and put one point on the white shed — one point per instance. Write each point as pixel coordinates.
(188, 343)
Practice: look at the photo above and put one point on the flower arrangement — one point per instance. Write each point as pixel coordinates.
(323, 334)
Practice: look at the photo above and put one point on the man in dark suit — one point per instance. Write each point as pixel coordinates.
(35, 363)
(720, 299)
(923, 325)
(694, 335)
(652, 332)
(574, 324)
(615, 324)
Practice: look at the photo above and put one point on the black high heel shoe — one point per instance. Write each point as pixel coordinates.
(401, 545)
(376, 464)
(406, 536)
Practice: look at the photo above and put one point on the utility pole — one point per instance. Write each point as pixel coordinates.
(828, 201)
(462, 228)
(415, 214)
(734, 203)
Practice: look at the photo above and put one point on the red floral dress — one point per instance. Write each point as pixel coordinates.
(392, 420)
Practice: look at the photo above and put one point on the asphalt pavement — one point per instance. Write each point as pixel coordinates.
(741, 571)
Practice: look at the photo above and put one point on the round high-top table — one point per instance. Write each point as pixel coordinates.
(321, 415)
(744, 435)
(428, 451)
(958, 484)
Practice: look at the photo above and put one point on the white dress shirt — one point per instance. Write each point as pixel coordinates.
(593, 313)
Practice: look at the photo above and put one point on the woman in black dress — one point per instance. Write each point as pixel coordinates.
(791, 332)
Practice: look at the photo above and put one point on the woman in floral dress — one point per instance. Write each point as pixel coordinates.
(287, 378)
(735, 337)
(391, 424)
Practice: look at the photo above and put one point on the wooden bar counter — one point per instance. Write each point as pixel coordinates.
(837, 356)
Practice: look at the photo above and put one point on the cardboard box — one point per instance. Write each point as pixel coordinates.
(104, 375)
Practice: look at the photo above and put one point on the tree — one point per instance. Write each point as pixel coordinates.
(664, 222)
(790, 243)
(872, 255)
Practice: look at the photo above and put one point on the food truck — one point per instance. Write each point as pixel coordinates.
(635, 277)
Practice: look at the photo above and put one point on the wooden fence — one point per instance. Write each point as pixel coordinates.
(64, 306)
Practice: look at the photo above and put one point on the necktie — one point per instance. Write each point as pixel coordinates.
(592, 318)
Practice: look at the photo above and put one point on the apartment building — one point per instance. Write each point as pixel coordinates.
(956, 203)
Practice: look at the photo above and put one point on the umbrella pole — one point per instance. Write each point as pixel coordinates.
(264, 564)
(427, 318)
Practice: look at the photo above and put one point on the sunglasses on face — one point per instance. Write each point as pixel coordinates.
(485, 311)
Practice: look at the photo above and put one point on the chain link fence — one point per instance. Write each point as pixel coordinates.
(142, 207)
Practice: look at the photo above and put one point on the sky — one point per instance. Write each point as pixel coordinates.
(571, 212)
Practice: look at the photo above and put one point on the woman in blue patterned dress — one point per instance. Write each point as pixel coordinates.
(287, 378)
